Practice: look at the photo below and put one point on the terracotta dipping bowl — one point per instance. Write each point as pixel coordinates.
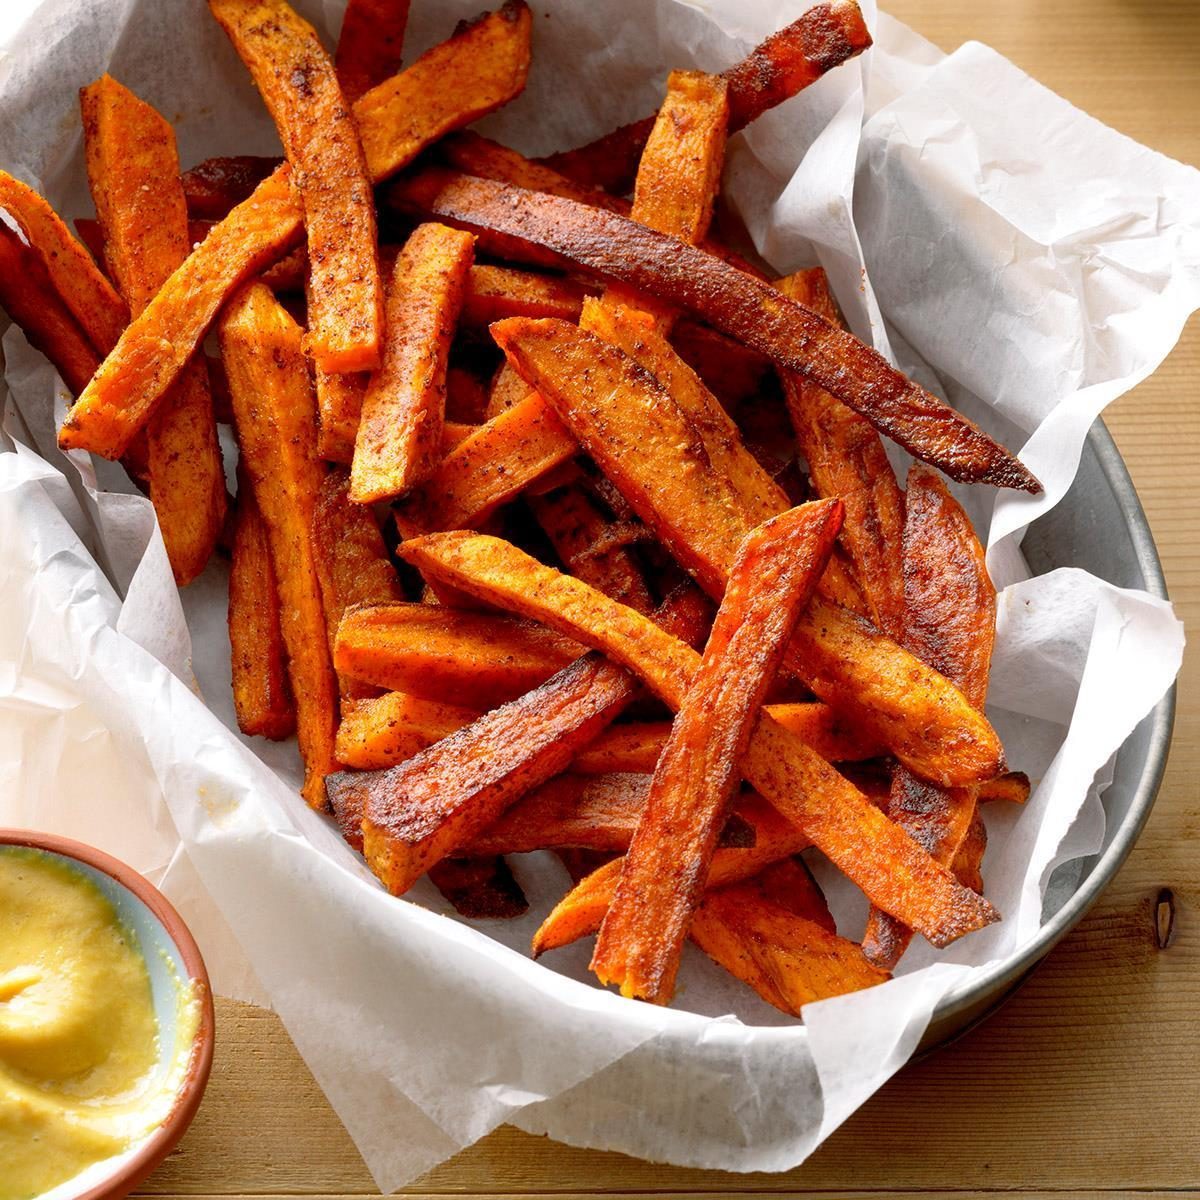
(172, 960)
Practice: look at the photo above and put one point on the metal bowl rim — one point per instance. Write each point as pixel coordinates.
(1007, 971)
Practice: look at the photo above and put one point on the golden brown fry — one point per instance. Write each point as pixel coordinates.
(262, 699)
(133, 171)
(370, 44)
(297, 82)
(382, 731)
(645, 445)
(894, 872)
(666, 867)
(470, 659)
(399, 439)
(276, 418)
(481, 67)
(730, 299)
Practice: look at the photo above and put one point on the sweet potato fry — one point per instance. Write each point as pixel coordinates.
(214, 187)
(467, 658)
(894, 872)
(582, 910)
(473, 154)
(789, 60)
(732, 301)
(581, 536)
(500, 459)
(732, 372)
(643, 443)
(1012, 787)
(846, 459)
(298, 84)
(339, 405)
(466, 398)
(788, 958)
(88, 295)
(480, 888)
(370, 45)
(481, 67)
(381, 731)
(351, 560)
(636, 746)
(32, 301)
(133, 171)
(276, 419)
(773, 577)
(969, 859)
(399, 439)
(950, 623)
(262, 699)
(497, 292)
(506, 390)
(415, 814)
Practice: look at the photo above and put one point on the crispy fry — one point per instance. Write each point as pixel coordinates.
(579, 532)
(370, 45)
(382, 731)
(262, 699)
(481, 67)
(91, 299)
(642, 441)
(968, 862)
(582, 910)
(497, 292)
(399, 437)
(439, 653)
(950, 623)
(773, 577)
(214, 187)
(351, 560)
(1012, 787)
(339, 403)
(789, 60)
(731, 300)
(276, 419)
(788, 958)
(31, 300)
(846, 459)
(480, 888)
(133, 171)
(297, 82)
(500, 459)
(894, 872)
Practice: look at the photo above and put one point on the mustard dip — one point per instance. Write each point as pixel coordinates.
(80, 1079)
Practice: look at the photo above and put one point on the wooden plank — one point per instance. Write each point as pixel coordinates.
(1087, 1081)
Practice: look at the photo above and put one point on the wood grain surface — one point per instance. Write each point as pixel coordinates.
(1088, 1080)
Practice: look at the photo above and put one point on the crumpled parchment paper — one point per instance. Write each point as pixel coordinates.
(1008, 250)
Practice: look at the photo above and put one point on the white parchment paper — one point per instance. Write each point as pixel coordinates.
(1011, 252)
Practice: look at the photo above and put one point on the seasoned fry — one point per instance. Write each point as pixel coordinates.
(133, 170)
(581, 537)
(788, 958)
(731, 300)
(81, 285)
(298, 84)
(480, 888)
(494, 293)
(370, 45)
(275, 413)
(789, 60)
(214, 187)
(502, 457)
(262, 699)
(950, 623)
(382, 731)
(351, 560)
(31, 300)
(439, 653)
(399, 437)
(894, 872)
(506, 390)
(773, 577)
(846, 459)
(481, 67)
(731, 371)
(339, 404)
(641, 440)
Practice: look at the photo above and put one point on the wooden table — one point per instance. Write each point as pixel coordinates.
(1087, 1081)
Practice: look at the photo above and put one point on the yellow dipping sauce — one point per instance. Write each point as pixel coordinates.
(80, 1079)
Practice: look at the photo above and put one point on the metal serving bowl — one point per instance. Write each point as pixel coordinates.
(1099, 526)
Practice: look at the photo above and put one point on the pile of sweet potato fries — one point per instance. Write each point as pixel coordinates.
(559, 525)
